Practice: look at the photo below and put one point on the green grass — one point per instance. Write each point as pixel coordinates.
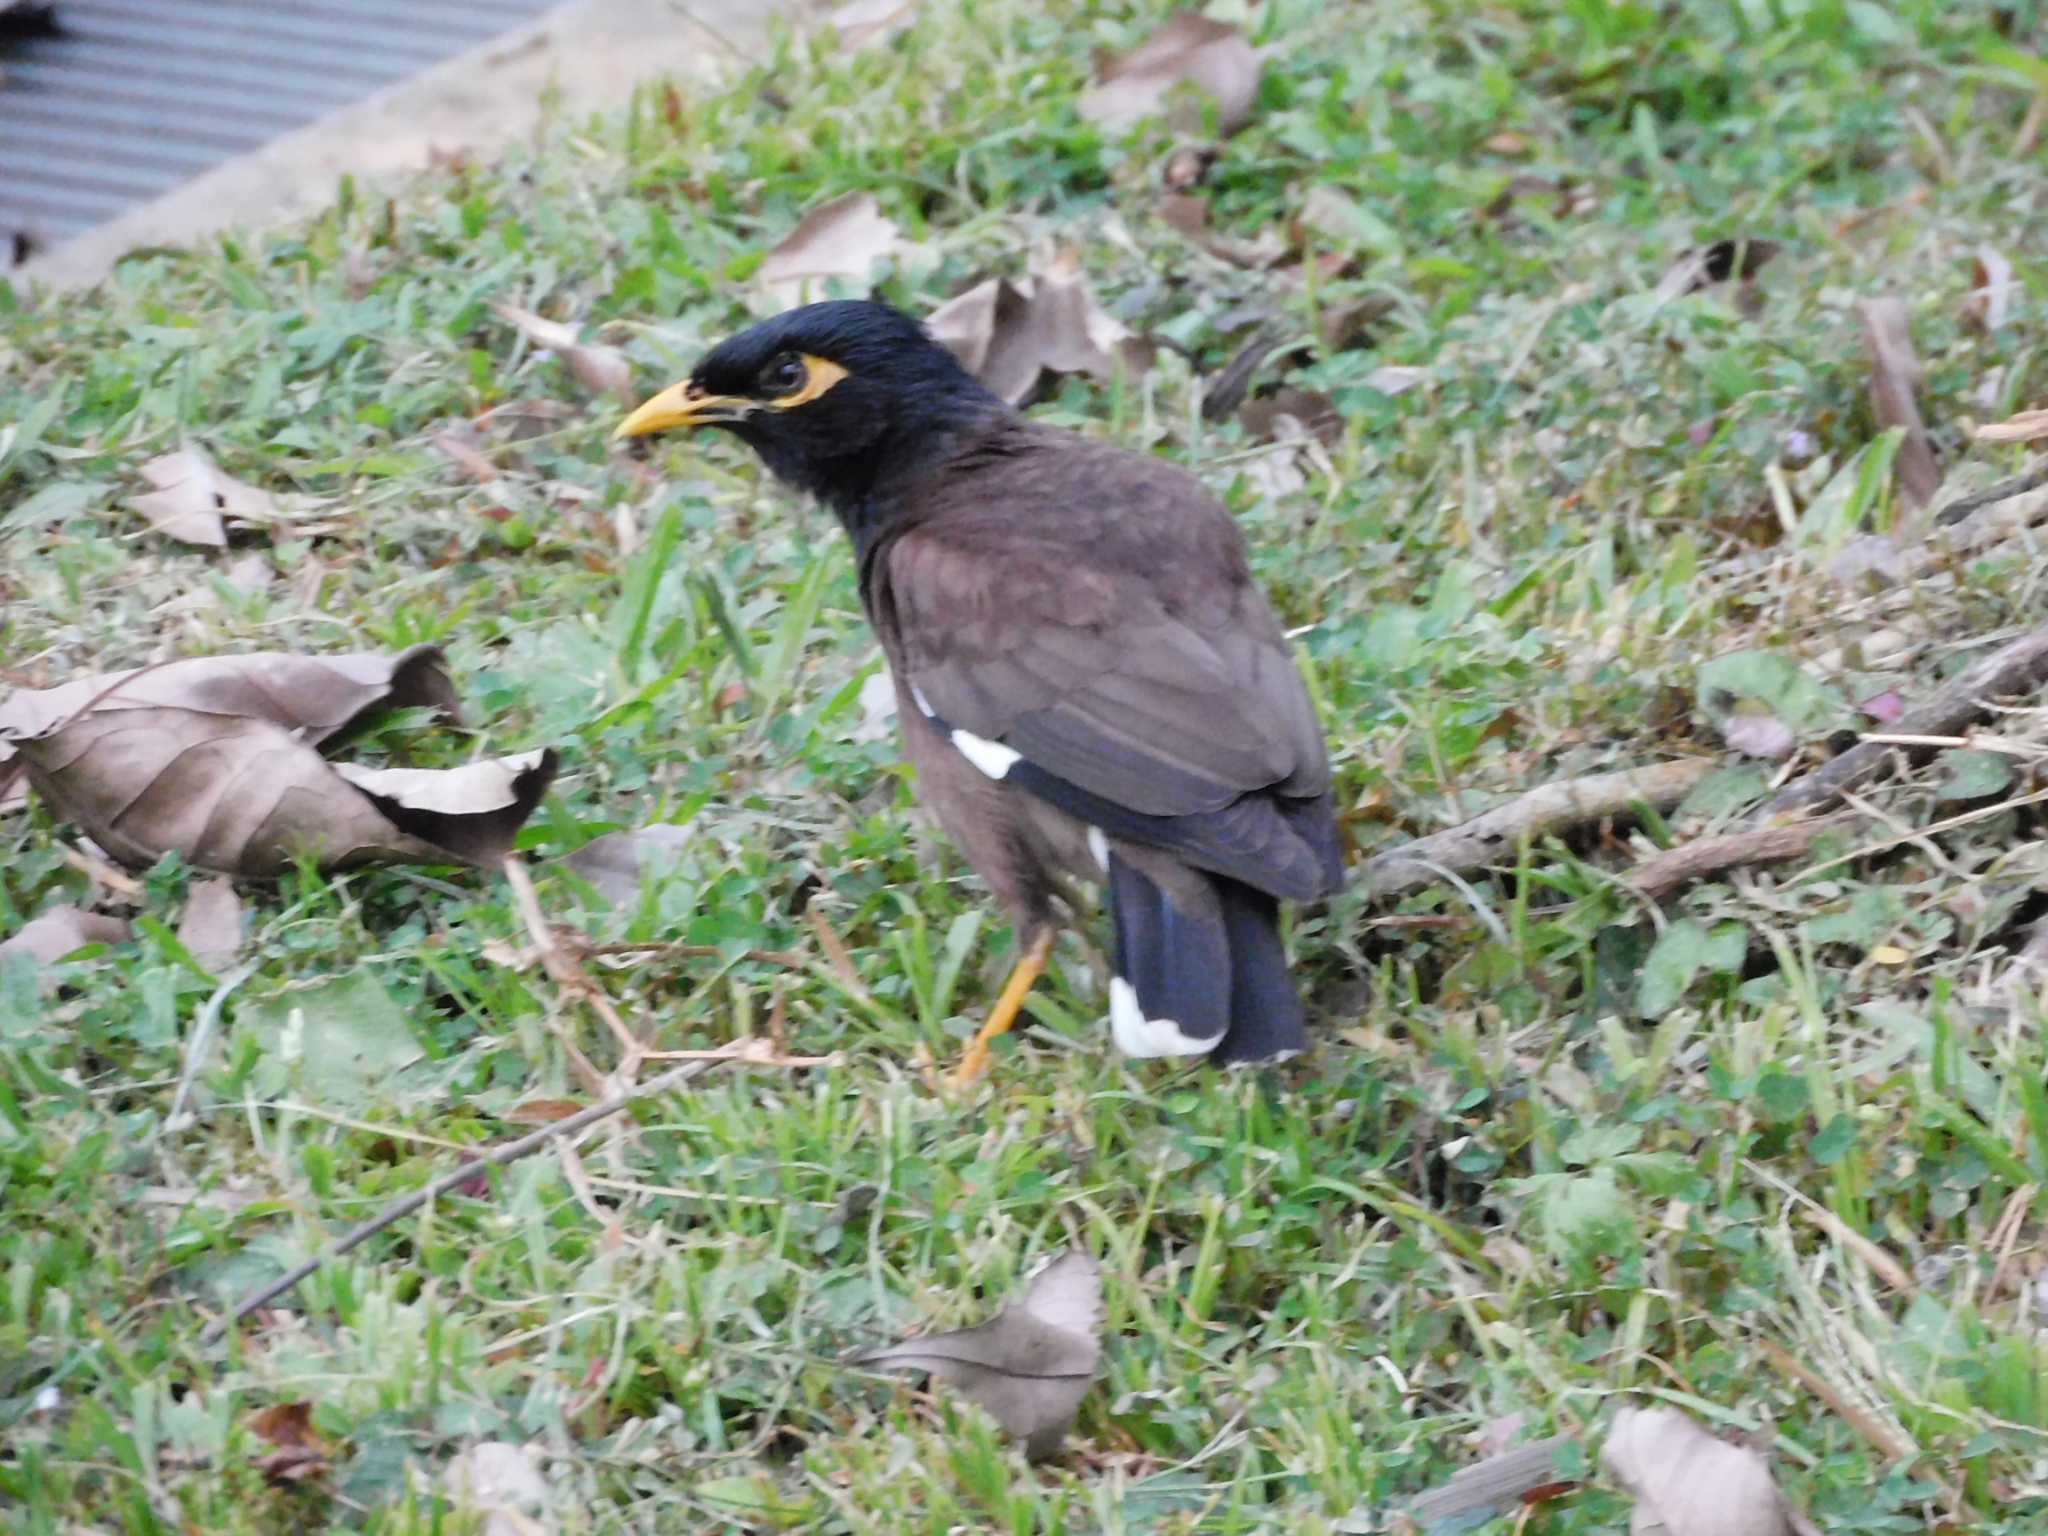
(1541, 1161)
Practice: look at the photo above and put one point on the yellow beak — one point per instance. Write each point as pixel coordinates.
(682, 405)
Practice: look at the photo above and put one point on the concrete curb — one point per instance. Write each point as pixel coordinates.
(582, 56)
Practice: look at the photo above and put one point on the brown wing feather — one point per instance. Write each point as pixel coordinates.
(1093, 610)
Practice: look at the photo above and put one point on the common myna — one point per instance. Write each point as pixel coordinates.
(1089, 682)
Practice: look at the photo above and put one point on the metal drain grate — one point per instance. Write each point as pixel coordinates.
(124, 99)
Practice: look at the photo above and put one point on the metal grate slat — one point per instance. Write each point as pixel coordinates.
(131, 97)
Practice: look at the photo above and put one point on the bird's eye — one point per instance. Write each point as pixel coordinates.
(784, 375)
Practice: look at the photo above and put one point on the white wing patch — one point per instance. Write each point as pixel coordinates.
(1136, 1035)
(990, 757)
(1099, 846)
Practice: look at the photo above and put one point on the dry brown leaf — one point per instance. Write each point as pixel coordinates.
(2026, 427)
(1265, 416)
(459, 445)
(600, 369)
(1011, 335)
(1031, 1364)
(191, 498)
(1497, 1482)
(1894, 385)
(1990, 303)
(1687, 1483)
(616, 862)
(211, 929)
(253, 573)
(323, 696)
(543, 1111)
(247, 797)
(1393, 379)
(216, 758)
(1706, 265)
(1189, 215)
(498, 1480)
(861, 22)
(843, 238)
(300, 1453)
(1212, 58)
(1346, 324)
(50, 936)
(474, 812)
(1759, 734)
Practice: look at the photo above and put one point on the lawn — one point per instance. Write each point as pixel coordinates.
(1768, 1147)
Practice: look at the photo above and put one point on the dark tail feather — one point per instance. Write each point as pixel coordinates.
(1265, 1006)
(1171, 995)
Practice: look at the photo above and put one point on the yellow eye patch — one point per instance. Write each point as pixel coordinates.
(820, 374)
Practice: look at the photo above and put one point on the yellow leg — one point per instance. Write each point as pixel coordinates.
(974, 1060)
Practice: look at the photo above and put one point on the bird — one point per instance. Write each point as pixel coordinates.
(1089, 681)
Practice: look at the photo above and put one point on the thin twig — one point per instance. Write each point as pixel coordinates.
(783, 957)
(1486, 838)
(565, 971)
(2005, 490)
(747, 1052)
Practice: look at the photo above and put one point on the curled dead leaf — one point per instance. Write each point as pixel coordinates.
(840, 239)
(191, 498)
(1031, 1364)
(600, 369)
(2026, 427)
(499, 1481)
(617, 862)
(298, 1451)
(1189, 215)
(1996, 291)
(1687, 1483)
(211, 929)
(861, 22)
(1211, 59)
(543, 1111)
(459, 445)
(1012, 335)
(1266, 417)
(217, 759)
(1895, 376)
(48, 937)
(1706, 265)
(322, 696)
(1393, 379)
(1347, 324)
(474, 812)
(1760, 735)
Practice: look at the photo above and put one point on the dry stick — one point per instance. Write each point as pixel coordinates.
(1664, 873)
(2020, 667)
(2005, 490)
(562, 969)
(1493, 1483)
(498, 1156)
(1481, 841)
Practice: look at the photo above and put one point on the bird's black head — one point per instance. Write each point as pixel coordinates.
(840, 398)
